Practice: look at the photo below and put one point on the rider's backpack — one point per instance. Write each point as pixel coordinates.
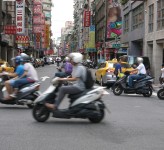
(68, 68)
(89, 82)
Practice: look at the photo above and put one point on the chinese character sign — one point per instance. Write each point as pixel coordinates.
(47, 35)
(37, 29)
(10, 29)
(37, 9)
(20, 16)
(37, 2)
(114, 20)
(87, 18)
(36, 19)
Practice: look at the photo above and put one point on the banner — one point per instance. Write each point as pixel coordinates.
(92, 36)
(114, 20)
(37, 9)
(87, 18)
(10, 29)
(20, 16)
(47, 35)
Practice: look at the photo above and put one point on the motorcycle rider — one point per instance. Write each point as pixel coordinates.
(67, 69)
(29, 76)
(79, 76)
(16, 75)
(141, 72)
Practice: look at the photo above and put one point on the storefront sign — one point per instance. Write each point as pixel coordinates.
(37, 19)
(37, 9)
(116, 46)
(47, 35)
(5, 38)
(37, 29)
(87, 18)
(37, 2)
(92, 37)
(10, 29)
(22, 39)
(20, 16)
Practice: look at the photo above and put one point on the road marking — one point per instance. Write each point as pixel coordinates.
(44, 78)
(106, 93)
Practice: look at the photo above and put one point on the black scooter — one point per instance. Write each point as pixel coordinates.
(142, 86)
(26, 94)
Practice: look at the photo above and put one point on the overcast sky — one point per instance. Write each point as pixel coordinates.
(61, 12)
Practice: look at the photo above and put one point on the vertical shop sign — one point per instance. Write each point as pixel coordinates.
(37, 9)
(20, 16)
(47, 35)
(92, 37)
(87, 18)
(37, 2)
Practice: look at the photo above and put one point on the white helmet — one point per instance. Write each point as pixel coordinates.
(139, 60)
(67, 59)
(76, 57)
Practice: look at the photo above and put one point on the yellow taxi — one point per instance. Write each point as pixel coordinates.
(4, 66)
(105, 73)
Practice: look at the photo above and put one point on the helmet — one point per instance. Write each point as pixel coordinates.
(18, 60)
(25, 57)
(139, 59)
(76, 57)
(67, 59)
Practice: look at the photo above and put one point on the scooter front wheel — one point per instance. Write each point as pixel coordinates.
(160, 94)
(117, 90)
(40, 113)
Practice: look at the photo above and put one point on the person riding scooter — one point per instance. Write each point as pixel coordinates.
(30, 74)
(15, 76)
(79, 75)
(67, 69)
(141, 72)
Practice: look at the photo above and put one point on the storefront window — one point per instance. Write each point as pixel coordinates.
(160, 15)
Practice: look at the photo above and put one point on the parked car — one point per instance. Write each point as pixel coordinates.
(4, 66)
(105, 72)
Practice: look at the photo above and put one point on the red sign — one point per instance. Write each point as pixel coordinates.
(87, 18)
(10, 29)
(22, 39)
(37, 2)
(42, 19)
(37, 19)
(38, 37)
(37, 9)
(37, 29)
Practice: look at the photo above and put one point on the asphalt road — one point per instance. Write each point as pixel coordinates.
(135, 123)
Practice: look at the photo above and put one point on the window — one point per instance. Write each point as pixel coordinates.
(126, 23)
(137, 17)
(160, 15)
(151, 18)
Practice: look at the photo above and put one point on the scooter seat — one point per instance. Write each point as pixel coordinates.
(25, 85)
(76, 96)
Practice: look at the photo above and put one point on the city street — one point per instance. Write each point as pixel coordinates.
(135, 123)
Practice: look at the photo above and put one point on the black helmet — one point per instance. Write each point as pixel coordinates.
(25, 57)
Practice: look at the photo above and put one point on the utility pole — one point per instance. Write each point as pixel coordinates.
(0, 22)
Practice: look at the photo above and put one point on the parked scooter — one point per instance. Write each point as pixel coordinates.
(26, 95)
(160, 93)
(142, 86)
(85, 105)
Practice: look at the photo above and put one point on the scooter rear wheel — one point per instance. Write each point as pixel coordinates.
(40, 113)
(149, 94)
(160, 94)
(99, 118)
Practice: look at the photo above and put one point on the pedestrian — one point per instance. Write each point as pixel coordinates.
(118, 69)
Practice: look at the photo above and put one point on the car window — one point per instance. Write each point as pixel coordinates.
(111, 65)
(103, 65)
(123, 65)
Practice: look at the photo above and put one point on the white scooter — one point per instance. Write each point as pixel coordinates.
(85, 105)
